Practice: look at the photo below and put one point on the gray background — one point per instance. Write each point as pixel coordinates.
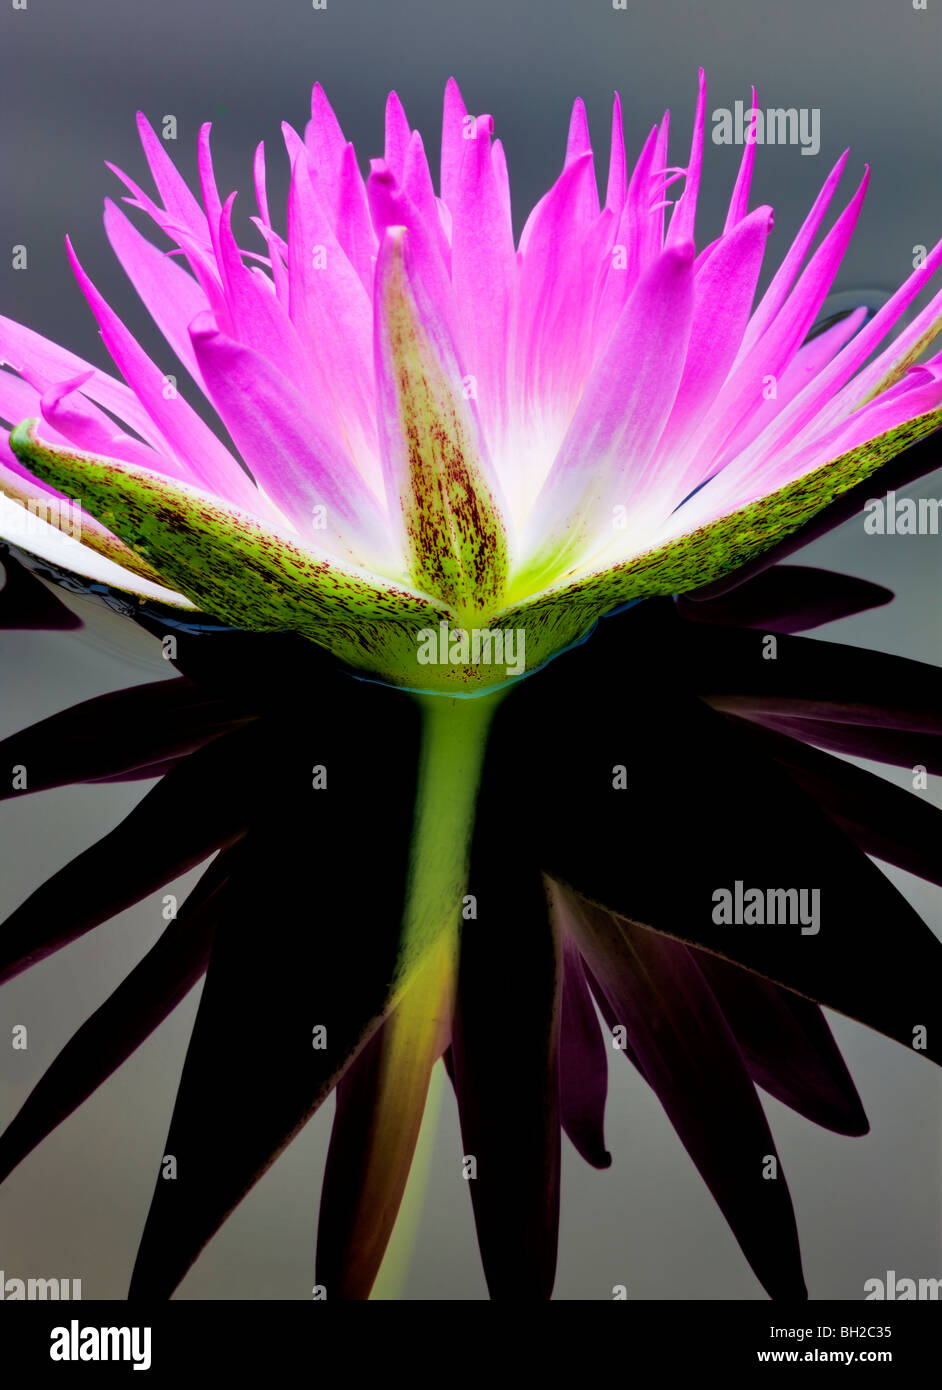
(73, 77)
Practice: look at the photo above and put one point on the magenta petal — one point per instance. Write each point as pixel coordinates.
(483, 254)
(742, 391)
(333, 316)
(21, 401)
(607, 452)
(685, 212)
(290, 456)
(197, 249)
(577, 141)
(178, 201)
(416, 184)
(784, 278)
(502, 179)
(189, 442)
(454, 117)
(172, 298)
(739, 202)
(43, 363)
(724, 286)
(617, 187)
(354, 228)
(258, 319)
(822, 391)
(557, 278)
(805, 366)
(630, 238)
(323, 137)
(882, 414)
(397, 136)
(211, 199)
(391, 206)
(78, 421)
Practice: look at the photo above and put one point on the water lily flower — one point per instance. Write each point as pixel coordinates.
(436, 426)
(441, 438)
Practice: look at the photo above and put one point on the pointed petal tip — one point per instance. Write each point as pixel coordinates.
(202, 326)
(380, 172)
(681, 254)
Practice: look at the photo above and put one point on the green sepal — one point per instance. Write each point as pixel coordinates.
(562, 614)
(230, 565)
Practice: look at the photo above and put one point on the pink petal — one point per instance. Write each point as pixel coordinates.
(297, 149)
(904, 348)
(258, 319)
(323, 136)
(578, 145)
(354, 227)
(685, 210)
(19, 401)
(656, 202)
(183, 434)
(333, 316)
(630, 236)
(171, 297)
(739, 203)
(178, 201)
(742, 391)
(803, 417)
(258, 178)
(294, 462)
(502, 178)
(390, 206)
(552, 329)
(43, 363)
(782, 281)
(454, 116)
(923, 393)
(804, 367)
(397, 136)
(606, 454)
(577, 141)
(723, 292)
(617, 187)
(417, 185)
(197, 250)
(211, 200)
(482, 255)
(77, 420)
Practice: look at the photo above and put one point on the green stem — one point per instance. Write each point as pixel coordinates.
(454, 739)
(416, 1031)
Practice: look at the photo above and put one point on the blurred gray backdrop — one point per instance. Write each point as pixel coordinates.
(72, 78)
